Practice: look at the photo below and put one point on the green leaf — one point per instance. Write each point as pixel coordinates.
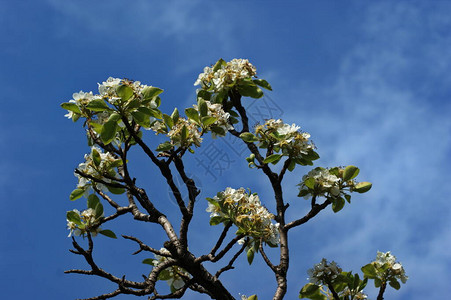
(132, 104)
(206, 95)
(192, 114)
(175, 115)
(250, 90)
(149, 261)
(250, 255)
(248, 137)
(216, 220)
(99, 210)
(96, 127)
(356, 281)
(125, 92)
(96, 157)
(310, 183)
(394, 283)
(93, 200)
(219, 64)
(203, 108)
(114, 117)
(253, 297)
(369, 271)
(108, 233)
(207, 121)
(76, 194)
(71, 107)
(184, 134)
(291, 165)
(149, 92)
(263, 83)
(141, 118)
(350, 172)
(166, 146)
(311, 291)
(108, 132)
(97, 105)
(303, 193)
(377, 282)
(168, 121)
(338, 204)
(218, 130)
(348, 198)
(115, 190)
(362, 187)
(73, 217)
(273, 158)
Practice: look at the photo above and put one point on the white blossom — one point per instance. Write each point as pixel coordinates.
(227, 75)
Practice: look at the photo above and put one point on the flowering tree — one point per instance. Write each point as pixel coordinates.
(114, 121)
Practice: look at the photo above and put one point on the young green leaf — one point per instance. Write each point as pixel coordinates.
(108, 132)
(96, 157)
(369, 271)
(338, 204)
(97, 105)
(149, 261)
(273, 158)
(202, 106)
(263, 83)
(350, 172)
(362, 187)
(93, 200)
(207, 121)
(149, 92)
(71, 107)
(73, 217)
(125, 92)
(168, 121)
(175, 115)
(115, 190)
(108, 233)
(250, 255)
(248, 137)
(192, 114)
(76, 194)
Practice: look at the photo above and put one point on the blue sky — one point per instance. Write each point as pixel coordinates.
(370, 82)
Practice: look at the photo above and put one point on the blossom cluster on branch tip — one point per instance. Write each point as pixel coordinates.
(220, 124)
(98, 165)
(224, 75)
(334, 184)
(324, 271)
(81, 223)
(385, 269)
(328, 281)
(245, 210)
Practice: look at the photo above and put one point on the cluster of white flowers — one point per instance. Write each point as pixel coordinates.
(108, 91)
(247, 212)
(108, 88)
(323, 272)
(287, 137)
(395, 268)
(325, 183)
(176, 133)
(96, 169)
(222, 118)
(81, 99)
(88, 219)
(227, 75)
(173, 274)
